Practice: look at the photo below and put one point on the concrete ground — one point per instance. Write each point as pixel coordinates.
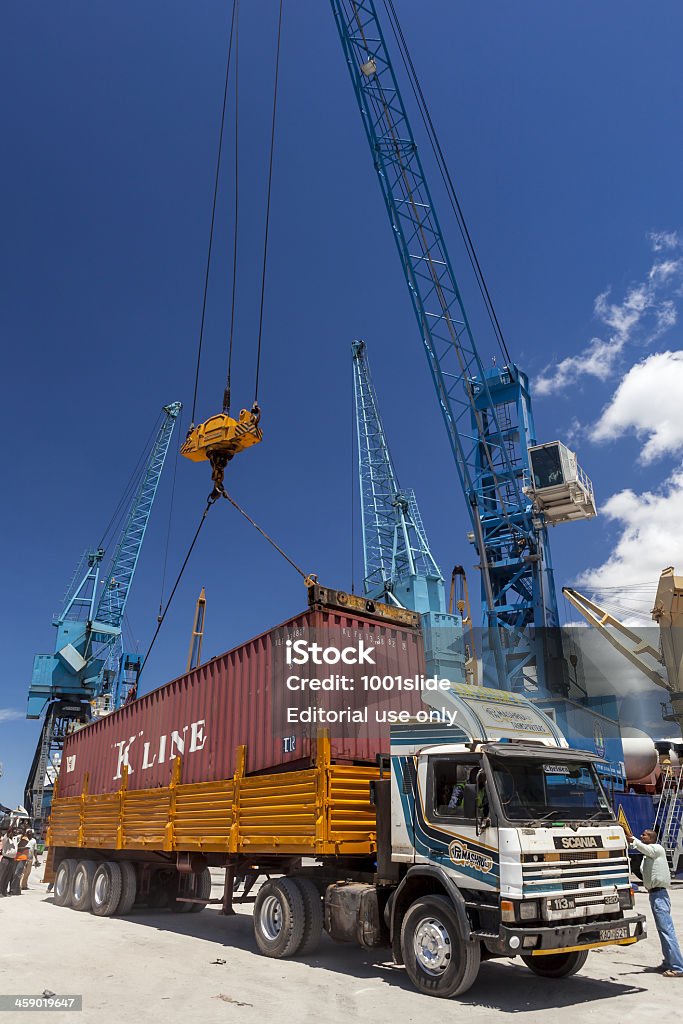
(162, 967)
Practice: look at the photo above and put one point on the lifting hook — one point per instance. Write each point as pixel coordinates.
(219, 439)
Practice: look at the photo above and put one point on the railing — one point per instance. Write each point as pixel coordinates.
(670, 811)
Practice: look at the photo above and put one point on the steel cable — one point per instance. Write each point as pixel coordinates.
(270, 184)
(213, 214)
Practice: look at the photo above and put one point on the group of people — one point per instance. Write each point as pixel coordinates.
(18, 850)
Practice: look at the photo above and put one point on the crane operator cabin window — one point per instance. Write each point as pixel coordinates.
(546, 466)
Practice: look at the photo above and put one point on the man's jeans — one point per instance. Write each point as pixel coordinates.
(660, 902)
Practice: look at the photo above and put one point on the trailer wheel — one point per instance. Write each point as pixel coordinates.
(202, 891)
(438, 960)
(557, 965)
(313, 923)
(63, 880)
(106, 889)
(313, 915)
(129, 887)
(81, 884)
(279, 918)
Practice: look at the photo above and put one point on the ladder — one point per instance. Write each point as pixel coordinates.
(43, 758)
(670, 814)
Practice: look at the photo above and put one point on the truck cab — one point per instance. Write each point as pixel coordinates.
(509, 846)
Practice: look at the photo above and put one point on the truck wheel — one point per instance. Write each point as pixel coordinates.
(557, 965)
(313, 909)
(438, 960)
(81, 885)
(106, 889)
(63, 880)
(129, 887)
(202, 892)
(279, 918)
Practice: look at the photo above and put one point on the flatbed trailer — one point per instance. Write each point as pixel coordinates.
(319, 811)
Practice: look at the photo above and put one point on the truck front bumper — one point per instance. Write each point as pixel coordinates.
(542, 941)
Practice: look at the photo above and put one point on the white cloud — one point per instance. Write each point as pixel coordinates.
(10, 715)
(650, 539)
(664, 240)
(644, 314)
(648, 402)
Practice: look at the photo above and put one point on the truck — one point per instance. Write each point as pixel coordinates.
(474, 832)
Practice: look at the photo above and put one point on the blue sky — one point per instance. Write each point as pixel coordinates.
(560, 127)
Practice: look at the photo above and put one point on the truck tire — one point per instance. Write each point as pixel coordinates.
(438, 960)
(279, 918)
(314, 918)
(129, 887)
(63, 879)
(81, 884)
(202, 892)
(106, 889)
(557, 965)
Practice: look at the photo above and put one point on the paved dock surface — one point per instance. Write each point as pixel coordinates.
(154, 966)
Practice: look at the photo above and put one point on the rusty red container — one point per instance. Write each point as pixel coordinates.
(241, 697)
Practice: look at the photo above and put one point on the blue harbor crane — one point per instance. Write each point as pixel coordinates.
(89, 673)
(399, 567)
(514, 487)
(487, 411)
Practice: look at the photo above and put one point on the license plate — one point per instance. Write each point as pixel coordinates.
(608, 900)
(606, 934)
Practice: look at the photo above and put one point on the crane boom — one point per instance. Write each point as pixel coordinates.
(395, 547)
(489, 444)
(89, 672)
(116, 588)
(399, 565)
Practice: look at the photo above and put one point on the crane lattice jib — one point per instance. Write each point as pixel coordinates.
(453, 358)
(394, 542)
(516, 596)
(112, 603)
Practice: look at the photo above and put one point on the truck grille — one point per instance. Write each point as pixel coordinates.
(585, 873)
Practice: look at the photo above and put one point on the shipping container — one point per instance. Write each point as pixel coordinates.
(242, 698)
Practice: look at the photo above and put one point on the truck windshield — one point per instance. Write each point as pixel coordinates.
(532, 790)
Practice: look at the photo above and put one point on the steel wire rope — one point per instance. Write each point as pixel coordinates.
(117, 514)
(161, 618)
(307, 577)
(353, 478)
(233, 302)
(213, 214)
(304, 575)
(444, 171)
(129, 629)
(270, 184)
(170, 518)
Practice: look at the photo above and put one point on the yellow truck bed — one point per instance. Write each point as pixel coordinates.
(321, 810)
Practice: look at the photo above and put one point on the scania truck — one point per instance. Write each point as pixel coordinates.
(485, 838)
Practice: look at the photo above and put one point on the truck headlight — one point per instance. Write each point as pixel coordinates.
(528, 911)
